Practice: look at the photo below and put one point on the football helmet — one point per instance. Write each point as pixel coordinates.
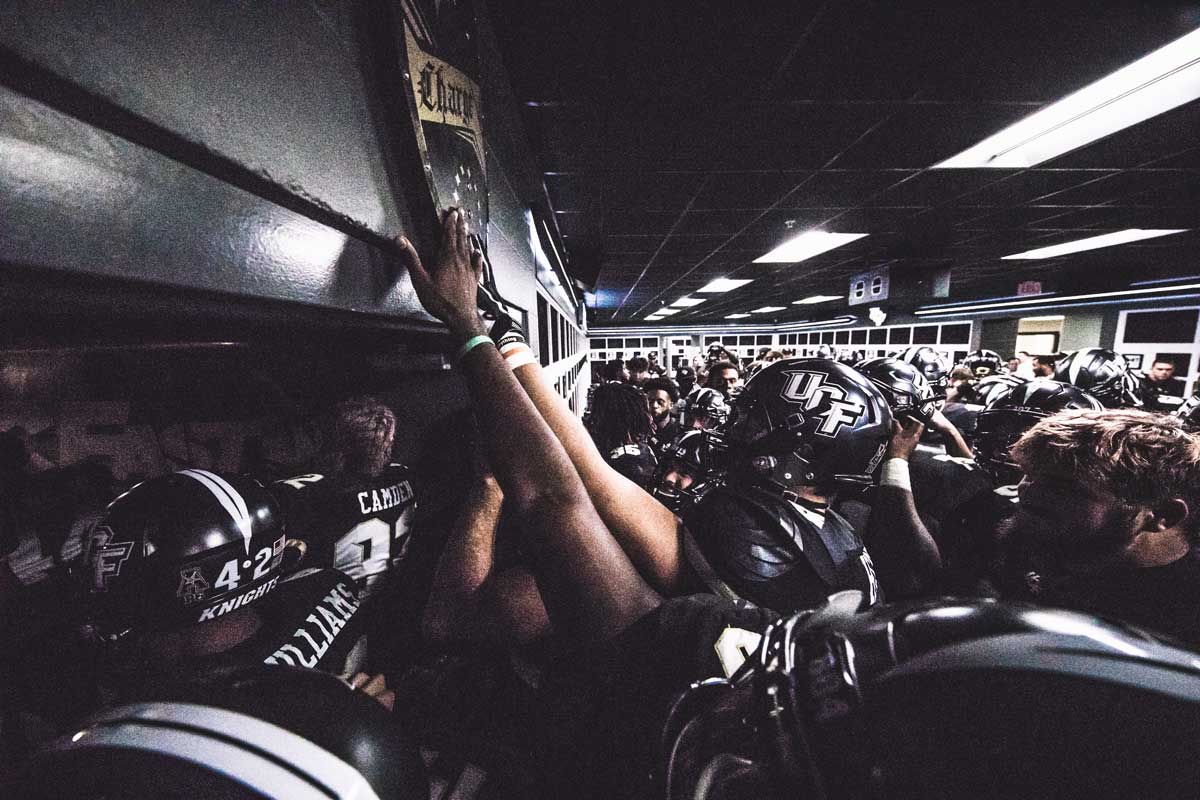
(983, 363)
(181, 549)
(991, 387)
(1102, 374)
(811, 422)
(939, 699)
(1011, 413)
(929, 362)
(704, 408)
(691, 459)
(1189, 412)
(266, 732)
(906, 390)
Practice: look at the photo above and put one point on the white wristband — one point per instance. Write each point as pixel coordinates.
(517, 354)
(895, 473)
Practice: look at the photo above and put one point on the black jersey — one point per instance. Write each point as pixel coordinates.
(970, 542)
(782, 554)
(360, 526)
(665, 436)
(942, 485)
(636, 462)
(605, 708)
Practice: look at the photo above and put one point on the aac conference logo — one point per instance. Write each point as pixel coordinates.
(827, 401)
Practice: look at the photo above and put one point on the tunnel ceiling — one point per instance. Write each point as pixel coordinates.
(680, 141)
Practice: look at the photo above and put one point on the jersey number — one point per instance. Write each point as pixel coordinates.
(367, 549)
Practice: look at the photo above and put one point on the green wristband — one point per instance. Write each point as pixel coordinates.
(471, 344)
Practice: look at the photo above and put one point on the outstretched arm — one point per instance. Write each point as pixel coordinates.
(469, 603)
(956, 445)
(589, 587)
(646, 529)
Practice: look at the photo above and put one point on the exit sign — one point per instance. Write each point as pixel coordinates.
(1029, 287)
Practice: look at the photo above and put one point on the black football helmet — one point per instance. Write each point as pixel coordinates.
(181, 549)
(704, 408)
(693, 456)
(940, 700)
(1011, 413)
(930, 363)
(810, 422)
(1189, 412)
(906, 390)
(983, 363)
(1102, 374)
(991, 387)
(268, 732)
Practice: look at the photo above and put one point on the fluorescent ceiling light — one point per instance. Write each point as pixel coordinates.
(687, 302)
(806, 245)
(1049, 301)
(1094, 242)
(767, 309)
(725, 285)
(654, 316)
(1158, 82)
(666, 312)
(736, 316)
(816, 298)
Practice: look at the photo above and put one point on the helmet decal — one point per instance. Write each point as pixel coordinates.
(811, 389)
(192, 585)
(107, 556)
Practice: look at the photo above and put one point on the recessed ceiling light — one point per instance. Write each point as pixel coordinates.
(724, 285)
(1158, 82)
(767, 309)
(806, 245)
(1094, 242)
(816, 298)
(688, 302)
(736, 316)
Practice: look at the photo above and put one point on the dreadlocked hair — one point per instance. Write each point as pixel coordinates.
(357, 437)
(619, 416)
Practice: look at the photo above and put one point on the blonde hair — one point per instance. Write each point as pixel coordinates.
(1142, 458)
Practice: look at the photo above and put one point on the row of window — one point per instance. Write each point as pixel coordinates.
(565, 385)
(558, 338)
(945, 337)
(630, 343)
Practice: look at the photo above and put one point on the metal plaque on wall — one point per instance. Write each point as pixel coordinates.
(443, 93)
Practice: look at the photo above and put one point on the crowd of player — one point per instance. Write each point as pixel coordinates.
(709, 587)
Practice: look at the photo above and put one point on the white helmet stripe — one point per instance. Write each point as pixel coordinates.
(229, 498)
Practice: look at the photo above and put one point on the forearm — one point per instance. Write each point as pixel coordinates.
(466, 561)
(522, 451)
(956, 445)
(906, 555)
(645, 528)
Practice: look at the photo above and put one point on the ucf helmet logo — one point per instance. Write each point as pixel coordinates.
(107, 556)
(826, 402)
(192, 586)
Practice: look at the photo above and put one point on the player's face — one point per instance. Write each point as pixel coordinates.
(660, 403)
(1076, 526)
(677, 478)
(726, 381)
(699, 422)
(1162, 372)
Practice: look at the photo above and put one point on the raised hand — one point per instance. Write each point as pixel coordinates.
(448, 290)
